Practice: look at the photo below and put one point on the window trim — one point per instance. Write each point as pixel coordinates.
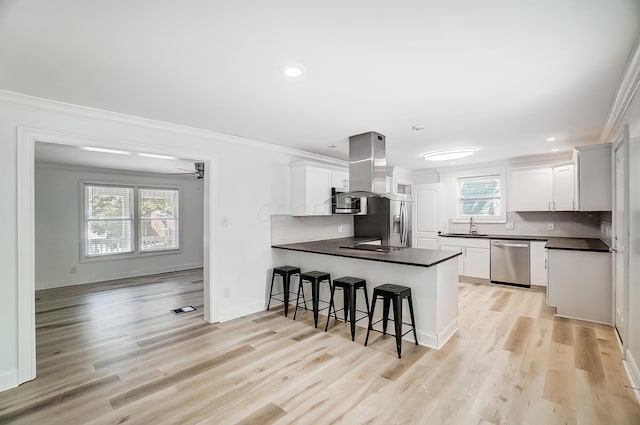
(136, 253)
(501, 174)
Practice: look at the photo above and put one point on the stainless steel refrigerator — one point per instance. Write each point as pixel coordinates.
(386, 219)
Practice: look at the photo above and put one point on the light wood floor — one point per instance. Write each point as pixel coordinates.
(112, 353)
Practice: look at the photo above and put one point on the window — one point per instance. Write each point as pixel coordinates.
(113, 226)
(480, 197)
(109, 220)
(158, 219)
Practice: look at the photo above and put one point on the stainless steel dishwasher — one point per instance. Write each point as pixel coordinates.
(510, 262)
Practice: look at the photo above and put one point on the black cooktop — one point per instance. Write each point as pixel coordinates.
(375, 248)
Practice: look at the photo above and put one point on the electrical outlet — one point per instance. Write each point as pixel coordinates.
(74, 270)
(509, 226)
(227, 292)
(339, 228)
(225, 221)
(551, 226)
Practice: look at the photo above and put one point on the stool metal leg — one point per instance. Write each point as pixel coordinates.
(397, 321)
(413, 320)
(352, 310)
(273, 277)
(295, 313)
(315, 300)
(370, 327)
(366, 299)
(331, 305)
(286, 284)
(345, 301)
(386, 302)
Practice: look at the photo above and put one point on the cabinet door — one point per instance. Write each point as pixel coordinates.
(460, 257)
(564, 188)
(538, 263)
(340, 179)
(476, 262)
(318, 191)
(530, 190)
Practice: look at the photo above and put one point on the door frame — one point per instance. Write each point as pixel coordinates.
(25, 232)
(621, 142)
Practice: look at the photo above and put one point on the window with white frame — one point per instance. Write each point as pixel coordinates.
(108, 220)
(158, 219)
(480, 197)
(113, 225)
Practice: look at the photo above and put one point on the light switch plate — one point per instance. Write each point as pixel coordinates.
(509, 226)
(551, 226)
(339, 228)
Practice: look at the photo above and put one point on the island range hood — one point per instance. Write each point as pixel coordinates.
(367, 165)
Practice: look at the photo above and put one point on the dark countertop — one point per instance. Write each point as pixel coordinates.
(409, 256)
(576, 244)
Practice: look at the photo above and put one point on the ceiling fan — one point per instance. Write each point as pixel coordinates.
(198, 171)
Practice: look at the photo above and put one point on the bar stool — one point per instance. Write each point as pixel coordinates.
(314, 278)
(395, 293)
(349, 286)
(285, 272)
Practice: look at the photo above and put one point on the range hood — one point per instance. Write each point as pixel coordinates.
(367, 165)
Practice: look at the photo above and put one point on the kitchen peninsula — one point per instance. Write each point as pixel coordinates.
(431, 274)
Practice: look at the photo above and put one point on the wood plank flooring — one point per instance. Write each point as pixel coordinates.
(111, 353)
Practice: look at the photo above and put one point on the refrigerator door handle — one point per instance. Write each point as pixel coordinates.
(403, 223)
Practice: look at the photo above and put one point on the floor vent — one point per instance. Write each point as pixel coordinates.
(183, 309)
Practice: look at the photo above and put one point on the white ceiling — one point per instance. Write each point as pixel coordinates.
(499, 75)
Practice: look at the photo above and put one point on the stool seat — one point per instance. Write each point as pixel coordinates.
(349, 285)
(315, 275)
(392, 293)
(286, 270)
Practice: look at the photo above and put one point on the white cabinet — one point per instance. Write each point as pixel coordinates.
(580, 284)
(530, 190)
(593, 177)
(538, 263)
(564, 188)
(542, 189)
(310, 190)
(340, 179)
(475, 258)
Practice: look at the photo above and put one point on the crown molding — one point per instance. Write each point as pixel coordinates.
(624, 95)
(90, 112)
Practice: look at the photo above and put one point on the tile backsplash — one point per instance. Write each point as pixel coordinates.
(289, 229)
(565, 224)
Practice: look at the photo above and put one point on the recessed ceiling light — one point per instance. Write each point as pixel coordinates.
(292, 72)
(103, 150)
(153, 155)
(555, 150)
(417, 127)
(551, 139)
(449, 154)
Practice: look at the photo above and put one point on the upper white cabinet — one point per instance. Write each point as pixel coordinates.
(542, 189)
(310, 190)
(530, 189)
(340, 179)
(593, 177)
(564, 188)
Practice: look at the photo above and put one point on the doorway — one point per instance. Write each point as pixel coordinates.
(621, 232)
(27, 139)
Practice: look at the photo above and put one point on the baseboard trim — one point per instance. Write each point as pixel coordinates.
(633, 372)
(8, 379)
(250, 309)
(125, 274)
(584, 320)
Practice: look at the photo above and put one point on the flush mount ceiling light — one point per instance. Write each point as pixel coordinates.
(103, 150)
(292, 71)
(555, 150)
(551, 139)
(153, 155)
(417, 127)
(449, 154)
(331, 146)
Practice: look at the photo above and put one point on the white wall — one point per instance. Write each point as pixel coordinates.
(58, 218)
(250, 182)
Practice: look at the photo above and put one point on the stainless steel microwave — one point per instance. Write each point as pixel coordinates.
(341, 204)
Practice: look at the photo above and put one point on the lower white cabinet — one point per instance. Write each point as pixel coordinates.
(475, 259)
(538, 264)
(580, 284)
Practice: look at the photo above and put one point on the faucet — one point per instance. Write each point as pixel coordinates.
(472, 226)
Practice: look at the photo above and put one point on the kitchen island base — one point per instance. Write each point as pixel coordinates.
(434, 288)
